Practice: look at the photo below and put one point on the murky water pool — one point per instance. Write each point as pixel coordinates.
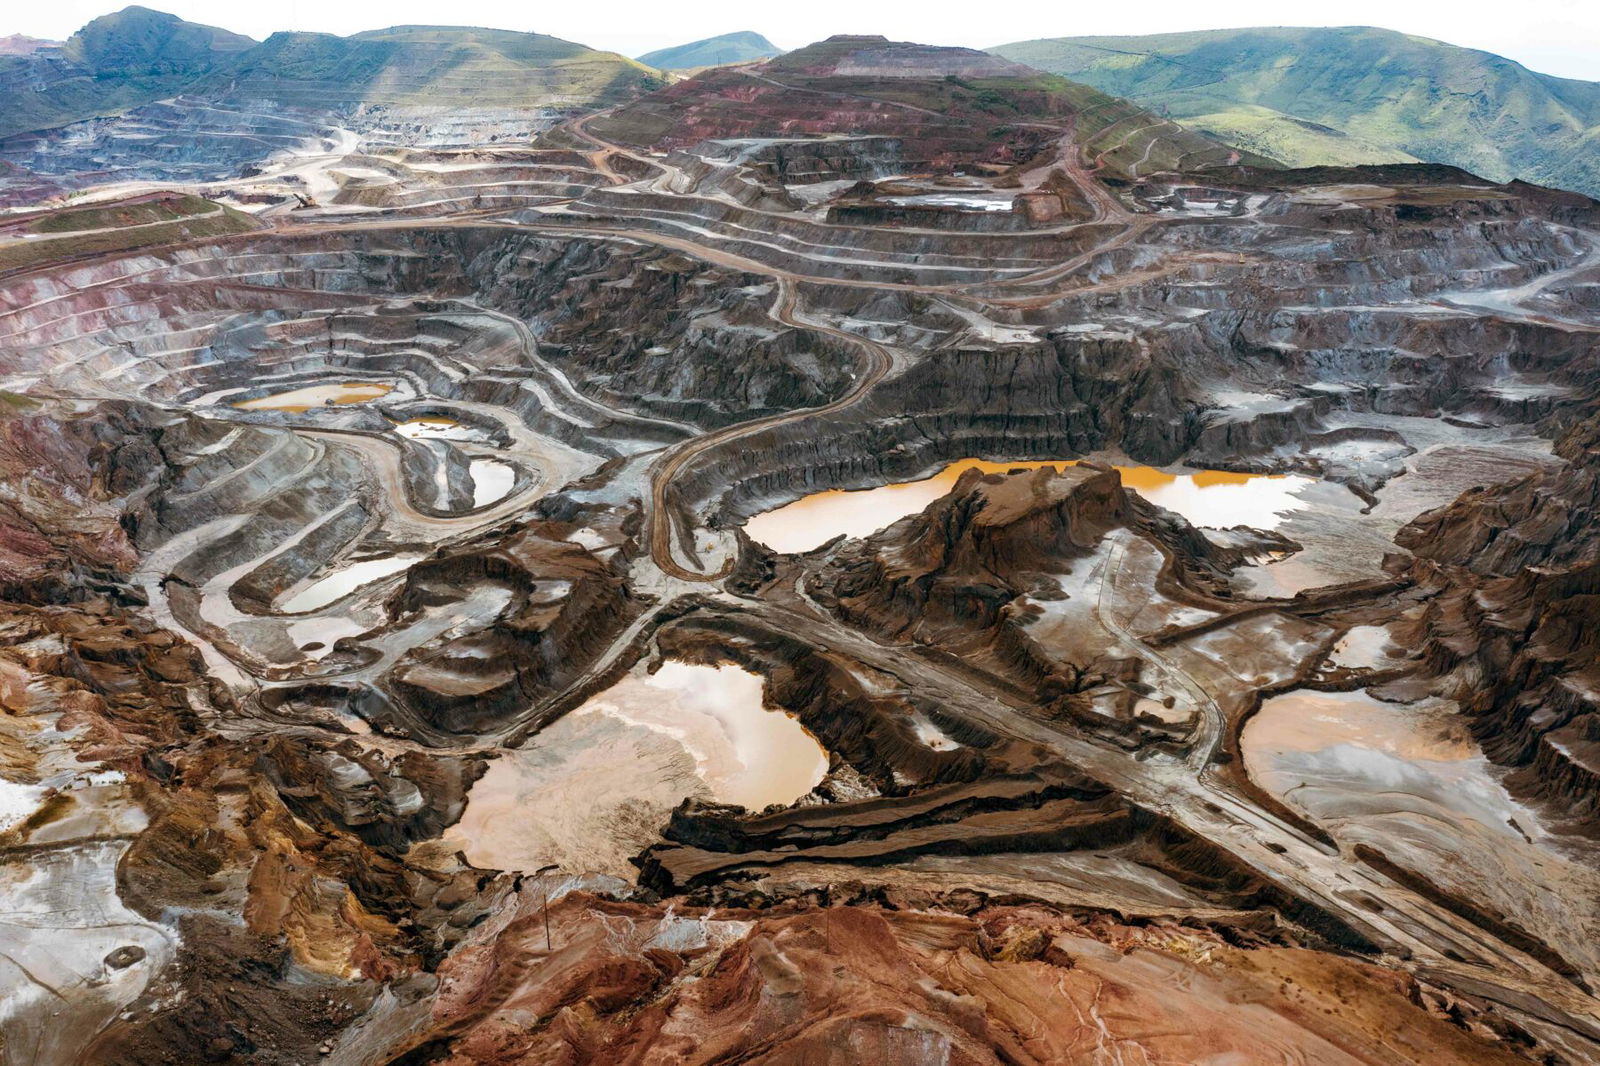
(1408, 780)
(491, 481)
(344, 581)
(317, 636)
(436, 428)
(299, 401)
(596, 786)
(1216, 498)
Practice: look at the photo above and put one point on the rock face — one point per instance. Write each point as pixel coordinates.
(865, 982)
(565, 606)
(49, 501)
(960, 575)
(1514, 573)
(935, 568)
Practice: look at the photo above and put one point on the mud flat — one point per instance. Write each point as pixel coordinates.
(74, 953)
(969, 202)
(591, 790)
(1408, 780)
(345, 580)
(299, 401)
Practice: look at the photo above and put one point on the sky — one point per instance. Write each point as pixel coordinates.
(1560, 37)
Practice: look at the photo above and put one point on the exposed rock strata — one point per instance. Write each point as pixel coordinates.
(630, 983)
(1514, 572)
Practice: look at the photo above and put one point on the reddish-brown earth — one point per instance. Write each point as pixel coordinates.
(957, 981)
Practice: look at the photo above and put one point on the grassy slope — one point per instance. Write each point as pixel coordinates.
(429, 66)
(139, 224)
(136, 56)
(132, 213)
(738, 47)
(1382, 96)
(116, 62)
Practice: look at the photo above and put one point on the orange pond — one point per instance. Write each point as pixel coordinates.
(299, 401)
(1216, 498)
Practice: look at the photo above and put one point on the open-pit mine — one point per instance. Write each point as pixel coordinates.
(878, 555)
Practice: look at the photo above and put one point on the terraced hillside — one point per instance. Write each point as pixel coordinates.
(942, 107)
(29, 240)
(114, 63)
(249, 106)
(1348, 96)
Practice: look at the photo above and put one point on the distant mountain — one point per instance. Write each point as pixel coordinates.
(432, 66)
(943, 108)
(1349, 95)
(137, 42)
(739, 47)
(20, 45)
(114, 63)
(137, 56)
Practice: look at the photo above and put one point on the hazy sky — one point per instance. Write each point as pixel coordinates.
(1553, 36)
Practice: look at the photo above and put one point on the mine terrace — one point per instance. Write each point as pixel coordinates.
(941, 560)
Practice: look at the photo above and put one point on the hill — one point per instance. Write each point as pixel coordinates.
(432, 66)
(20, 45)
(116, 62)
(138, 56)
(1349, 95)
(945, 107)
(741, 47)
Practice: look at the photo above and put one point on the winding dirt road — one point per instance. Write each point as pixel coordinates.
(876, 363)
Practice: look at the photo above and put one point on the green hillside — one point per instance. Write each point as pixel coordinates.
(114, 63)
(443, 66)
(738, 47)
(138, 56)
(1348, 95)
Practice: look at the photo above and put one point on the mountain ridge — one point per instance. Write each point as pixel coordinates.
(428, 65)
(115, 62)
(138, 56)
(945, 107)
(1348, 95)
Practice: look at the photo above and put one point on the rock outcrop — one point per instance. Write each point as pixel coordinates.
(915, 982)
(1514, 576)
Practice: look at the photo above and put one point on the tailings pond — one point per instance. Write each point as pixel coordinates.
(1213, 498)
(592, 789)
